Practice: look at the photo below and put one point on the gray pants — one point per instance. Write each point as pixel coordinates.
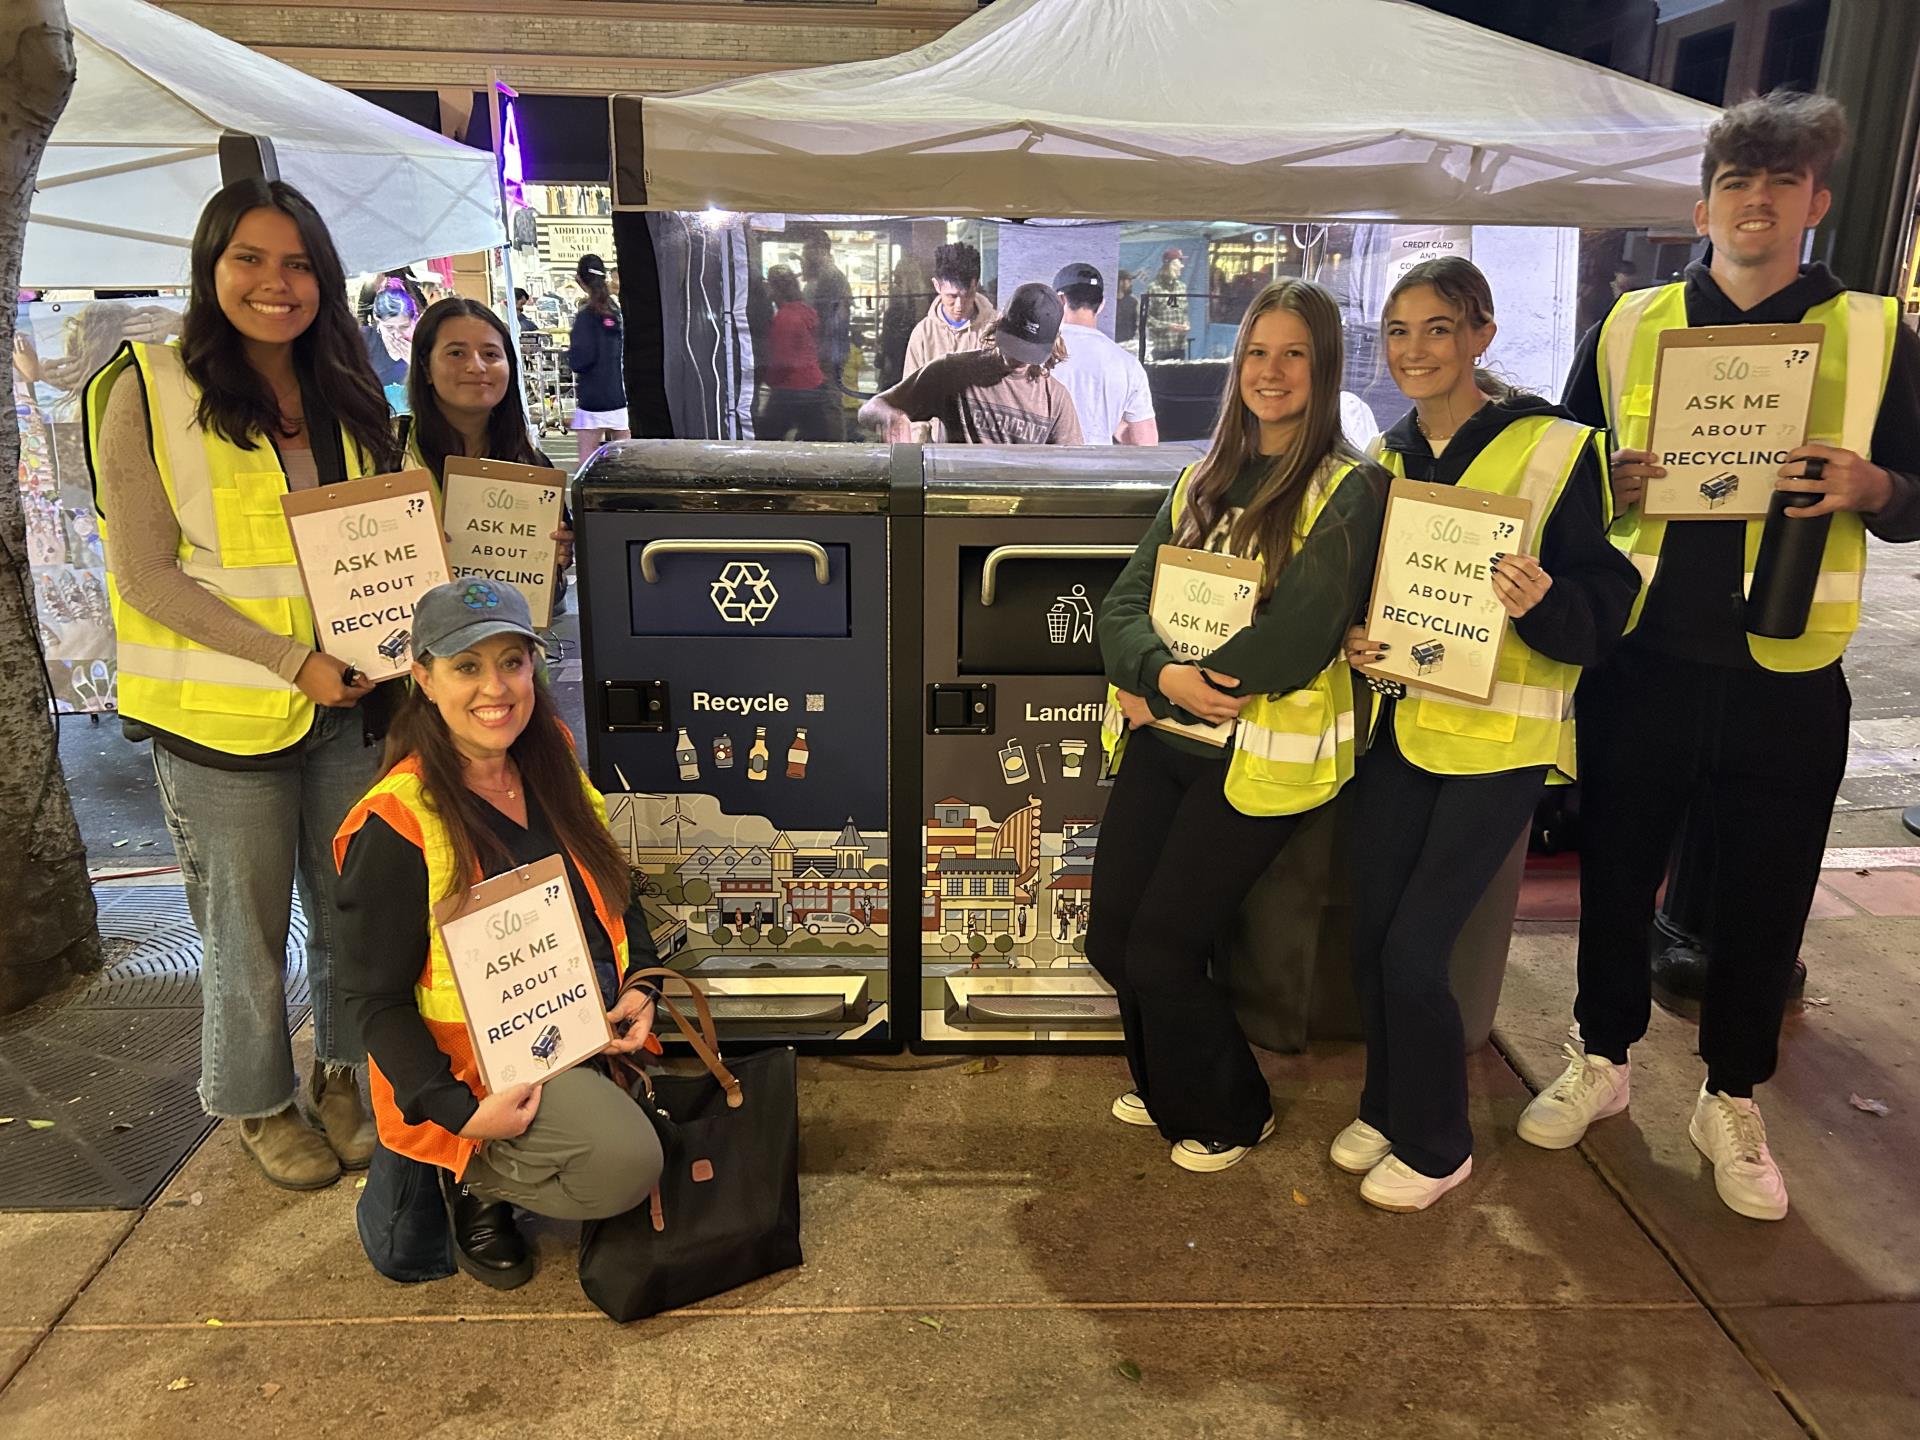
(589, 1154)
(242, 838)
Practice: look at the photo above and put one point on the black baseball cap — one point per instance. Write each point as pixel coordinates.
(1029, 325)
(1081, 274)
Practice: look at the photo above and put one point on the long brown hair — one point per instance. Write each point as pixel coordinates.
(1462, 284)
(507, 435)
(548, 769)
(1265, 526)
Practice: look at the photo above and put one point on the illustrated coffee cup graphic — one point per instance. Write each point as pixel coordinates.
(1073, 754)
(1013, 763)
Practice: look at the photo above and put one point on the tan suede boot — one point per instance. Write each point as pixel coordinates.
(289, 1151)
(335, 1099)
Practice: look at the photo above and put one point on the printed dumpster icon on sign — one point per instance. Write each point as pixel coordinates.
(1717, 491)
(547, 1042)
(744, 593)
(1428, 654)
(395, 645)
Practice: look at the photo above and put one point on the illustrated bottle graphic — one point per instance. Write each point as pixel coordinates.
(723, 752)
(797, 756)
(757, 756)
(688, 757)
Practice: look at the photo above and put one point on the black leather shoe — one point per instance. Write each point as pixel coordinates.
(486, 1242)
(1680, 980)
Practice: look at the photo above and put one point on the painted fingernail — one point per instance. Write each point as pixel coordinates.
(1384, 648)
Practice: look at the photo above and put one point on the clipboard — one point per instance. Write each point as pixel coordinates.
(1735, 400)
(499, 519)
(345, 539)
(521, 925)
(1219, 594)
(1442, 537)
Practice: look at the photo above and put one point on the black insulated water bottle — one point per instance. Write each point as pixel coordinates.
(1787, 568)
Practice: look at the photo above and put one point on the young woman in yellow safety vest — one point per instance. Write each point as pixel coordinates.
(464, 392)
(1190, 825)
(481, 778)
(1447, 786)
(260, 741)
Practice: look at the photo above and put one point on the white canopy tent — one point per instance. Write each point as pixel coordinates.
(1181, 109)
(135, 157)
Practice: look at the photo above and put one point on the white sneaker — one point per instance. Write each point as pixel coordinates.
(1206, 1156)
(1358, 1148)
(1730, 1133)
(1131, 1109)
(1591, 1088)
(1395, 1185)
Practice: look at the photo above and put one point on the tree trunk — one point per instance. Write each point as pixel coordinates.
(47, 923)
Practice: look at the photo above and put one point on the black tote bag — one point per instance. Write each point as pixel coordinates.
(727, 1208)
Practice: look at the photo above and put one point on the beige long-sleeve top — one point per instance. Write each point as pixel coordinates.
(143, 541)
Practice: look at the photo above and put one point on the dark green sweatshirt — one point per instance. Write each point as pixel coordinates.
(1295, 634)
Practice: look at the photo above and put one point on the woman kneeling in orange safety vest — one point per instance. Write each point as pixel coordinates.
(481, 778)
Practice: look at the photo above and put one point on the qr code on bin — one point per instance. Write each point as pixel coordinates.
(816, 704)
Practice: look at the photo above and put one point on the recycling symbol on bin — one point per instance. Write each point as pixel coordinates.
(744, 593)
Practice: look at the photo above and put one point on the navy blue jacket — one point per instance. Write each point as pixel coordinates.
(594, 353)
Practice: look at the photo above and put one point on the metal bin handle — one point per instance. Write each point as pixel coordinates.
(1001, 553)
(650, 574)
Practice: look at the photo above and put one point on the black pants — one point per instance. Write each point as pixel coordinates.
(1425, 848)
(804, 414)
(1764, 754)
(1173, 864)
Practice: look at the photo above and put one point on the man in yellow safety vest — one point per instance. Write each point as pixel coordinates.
(1695, 708)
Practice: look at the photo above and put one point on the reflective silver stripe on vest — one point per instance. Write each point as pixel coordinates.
(1283, 747)
(1866, 362)
(1647, 565)
(1530, 702)
(244, 582)
(1545, 465)
(1617, 344)
(1834, 587)
(211, 667)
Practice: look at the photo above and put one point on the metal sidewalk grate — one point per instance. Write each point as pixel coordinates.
(115, 1065)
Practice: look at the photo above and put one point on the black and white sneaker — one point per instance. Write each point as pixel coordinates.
(1206, 1156)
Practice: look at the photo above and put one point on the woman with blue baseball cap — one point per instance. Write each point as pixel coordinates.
(481, 779)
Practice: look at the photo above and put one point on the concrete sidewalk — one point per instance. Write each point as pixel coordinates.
(989, 1254)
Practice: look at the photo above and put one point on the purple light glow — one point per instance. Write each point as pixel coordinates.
(512, 167)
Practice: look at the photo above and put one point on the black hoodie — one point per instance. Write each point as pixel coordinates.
(1583, 612)
(1696, 609)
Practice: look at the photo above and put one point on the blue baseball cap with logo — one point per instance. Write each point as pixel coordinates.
(460, 614)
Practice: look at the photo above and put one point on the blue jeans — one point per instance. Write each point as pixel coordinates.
(242, 838)
(402, 1219)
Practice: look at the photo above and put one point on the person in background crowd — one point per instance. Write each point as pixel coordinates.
(1167, 319)
(795, 401)
(596, 352)
(1447, 787)
(1002, 394)
(389, 340)
(831, 297)
(480, 779)
(908, 296)
(1696, 710)
(1108, 384)
(261, 742)
(1126, 311)
(958, 318)
(1191, 826)
(465, 397)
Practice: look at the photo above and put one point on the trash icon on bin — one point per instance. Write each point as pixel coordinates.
(1070, 621)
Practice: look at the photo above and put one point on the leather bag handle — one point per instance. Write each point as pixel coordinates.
(705, 1041)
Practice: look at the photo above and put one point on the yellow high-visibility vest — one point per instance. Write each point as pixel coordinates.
(1855, 362)
(234, 543)
(1291, 752)
(1528, 720)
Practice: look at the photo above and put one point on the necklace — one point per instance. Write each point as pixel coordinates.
(1421, 425)
(511, 792)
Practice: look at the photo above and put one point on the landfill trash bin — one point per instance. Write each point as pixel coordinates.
(1022, 544)
(735, 644)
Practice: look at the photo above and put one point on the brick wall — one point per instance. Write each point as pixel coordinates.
(560, 46)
